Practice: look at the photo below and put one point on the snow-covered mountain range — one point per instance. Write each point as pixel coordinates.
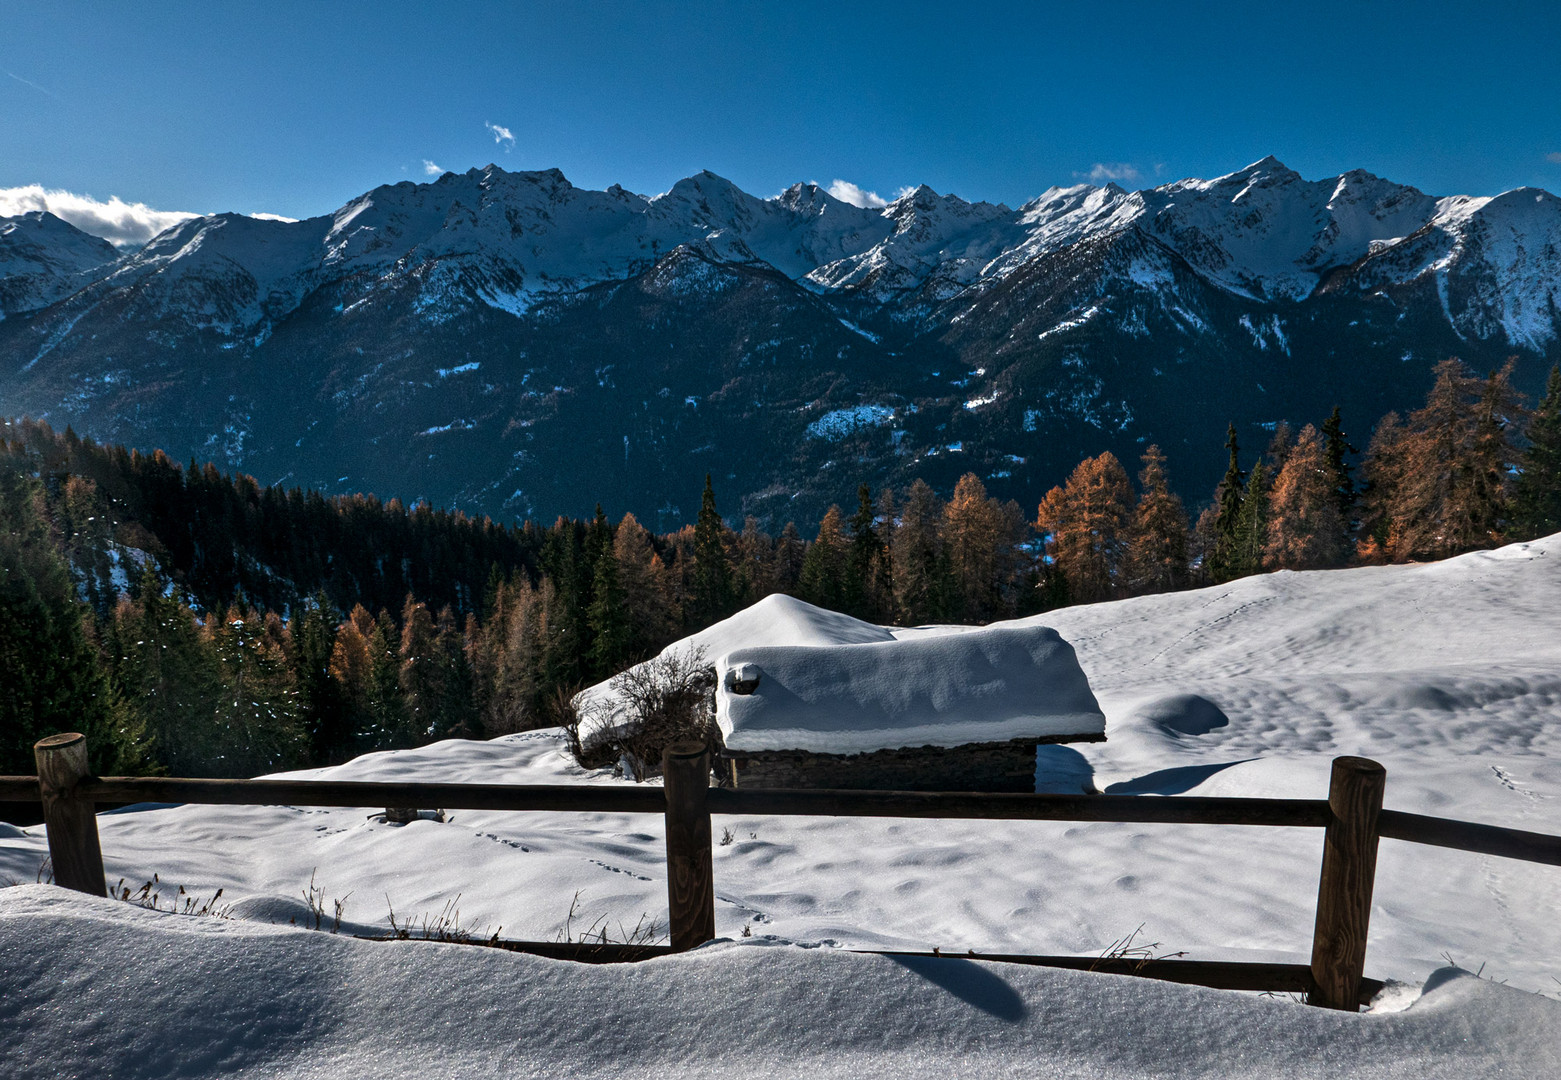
(498, 309)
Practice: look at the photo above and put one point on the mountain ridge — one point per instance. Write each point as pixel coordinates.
(972, 334)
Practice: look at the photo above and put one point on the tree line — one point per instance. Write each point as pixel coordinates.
(199, 623)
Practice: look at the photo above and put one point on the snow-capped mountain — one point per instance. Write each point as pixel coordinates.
(508, 342)
(43, 259)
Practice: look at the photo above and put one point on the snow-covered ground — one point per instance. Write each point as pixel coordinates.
(1448, 673)
(95, 989)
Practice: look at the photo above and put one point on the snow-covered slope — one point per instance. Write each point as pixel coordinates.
(1448, 673)
(93, 988)
(44, 259)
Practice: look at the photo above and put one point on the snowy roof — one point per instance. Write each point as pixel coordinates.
(986, 685)
(835, 684)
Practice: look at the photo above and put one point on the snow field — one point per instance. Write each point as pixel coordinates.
(1448, 673)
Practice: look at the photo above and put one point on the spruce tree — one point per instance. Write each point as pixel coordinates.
(55, 677)
(1336, 451)
(920, 566)
(611, 632)
(1536, 497)
(863, 555)
(713, 593)
(1221, 558)
(166, 667)
(790, 550)
(323, 707)
(422, 675)
(256, 726)
(1251, 534)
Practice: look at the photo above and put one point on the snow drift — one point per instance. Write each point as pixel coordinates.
(91, 988)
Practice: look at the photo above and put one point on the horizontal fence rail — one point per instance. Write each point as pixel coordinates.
(1468, 836)
(1178, 810)
(1352, 818)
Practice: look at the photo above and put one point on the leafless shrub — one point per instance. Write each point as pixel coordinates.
(667, 699)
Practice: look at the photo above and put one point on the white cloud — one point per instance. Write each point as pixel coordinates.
(502, 135)
(271, 217)
(1102, 171)
(846, 191)
(430, 168)
(1556, 157)
(120, 223)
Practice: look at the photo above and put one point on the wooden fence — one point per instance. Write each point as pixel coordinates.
(1352, 820)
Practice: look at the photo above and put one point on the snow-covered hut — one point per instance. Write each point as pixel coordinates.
(807, 697)
(956, 710)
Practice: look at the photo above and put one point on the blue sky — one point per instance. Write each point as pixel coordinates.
(293, 108)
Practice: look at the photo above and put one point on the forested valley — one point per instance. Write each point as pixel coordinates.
(197, 623)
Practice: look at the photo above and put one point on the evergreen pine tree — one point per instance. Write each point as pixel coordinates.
(256, 726)
(421, 675)
(166, 666)
(1536, 498)
(389, 721)
(455, 714)
(322, 705)
(713, 594)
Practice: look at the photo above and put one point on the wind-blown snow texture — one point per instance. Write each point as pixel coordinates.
(95, 989)
(641, 341)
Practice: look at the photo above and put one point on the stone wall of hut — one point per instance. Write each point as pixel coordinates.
(990, 766)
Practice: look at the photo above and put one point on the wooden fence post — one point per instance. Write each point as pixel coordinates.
(690, 868)
(70, 822)
(1344, 890)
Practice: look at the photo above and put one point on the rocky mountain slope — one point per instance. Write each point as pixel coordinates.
(511, 344)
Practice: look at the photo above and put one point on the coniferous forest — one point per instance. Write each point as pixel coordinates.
(197, 623)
